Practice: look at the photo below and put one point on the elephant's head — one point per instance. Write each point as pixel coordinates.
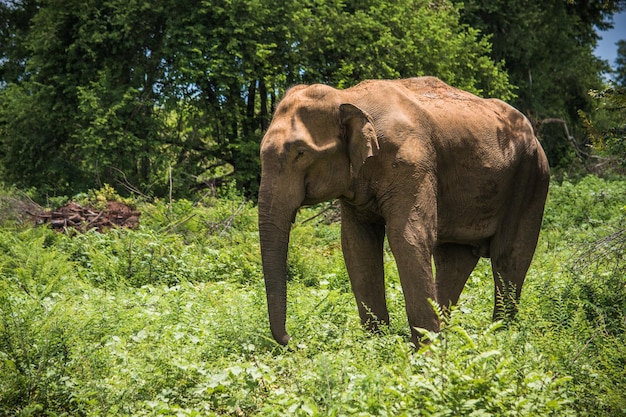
(313, 148)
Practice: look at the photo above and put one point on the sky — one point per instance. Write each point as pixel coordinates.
(606, 48)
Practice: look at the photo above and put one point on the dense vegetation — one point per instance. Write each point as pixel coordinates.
(170, 319)
(139, 94)
(134, 91)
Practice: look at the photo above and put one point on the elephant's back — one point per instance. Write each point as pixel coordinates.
(462, 119)
(434, 96)
(414, 112)
(432, 88)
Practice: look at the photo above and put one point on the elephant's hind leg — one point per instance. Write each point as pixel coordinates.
(509, 272)
(513, 246)
(453, 265)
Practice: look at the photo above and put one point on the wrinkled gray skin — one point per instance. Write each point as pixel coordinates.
(444, 174)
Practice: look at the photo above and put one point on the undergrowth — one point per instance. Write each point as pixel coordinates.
(170, 320)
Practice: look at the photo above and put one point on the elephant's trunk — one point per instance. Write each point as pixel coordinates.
(274, 228)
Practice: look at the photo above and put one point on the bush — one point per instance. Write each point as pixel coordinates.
(170, 319)
(586, 204)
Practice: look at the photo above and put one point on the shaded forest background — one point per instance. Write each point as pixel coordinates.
(170, 96)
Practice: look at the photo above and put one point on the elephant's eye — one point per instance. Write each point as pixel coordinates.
(299, 154)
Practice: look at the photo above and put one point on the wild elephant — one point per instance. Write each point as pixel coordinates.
(446, 175)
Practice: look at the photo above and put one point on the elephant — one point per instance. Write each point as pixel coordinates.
(446, 176)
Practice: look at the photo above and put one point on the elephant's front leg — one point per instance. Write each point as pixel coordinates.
(412, 240)
(362, 245)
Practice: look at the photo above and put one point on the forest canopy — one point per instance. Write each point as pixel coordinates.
(171, 96)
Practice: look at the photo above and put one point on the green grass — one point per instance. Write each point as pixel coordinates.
(170, 320)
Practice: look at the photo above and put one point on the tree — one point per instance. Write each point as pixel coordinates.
(607, 125)
(86, 101)
(242, 55)
(620, 62)
(380, 39)
(547, 49)
(138, 93)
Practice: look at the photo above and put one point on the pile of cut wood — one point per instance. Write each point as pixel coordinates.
(73, 215)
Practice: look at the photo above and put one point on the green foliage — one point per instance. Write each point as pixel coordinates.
(607, 126)
(620, 63)
(170, 319)
(585, 206)
(547, 49)
(378, 39)
(582, 313)
(169, 97)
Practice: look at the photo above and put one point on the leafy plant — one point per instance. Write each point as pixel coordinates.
(170, 319)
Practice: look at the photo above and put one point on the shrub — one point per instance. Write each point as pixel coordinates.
(170, 319)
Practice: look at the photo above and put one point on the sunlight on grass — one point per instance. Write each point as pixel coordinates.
(170, 319)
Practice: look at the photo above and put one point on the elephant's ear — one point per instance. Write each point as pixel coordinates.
(359, 133)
